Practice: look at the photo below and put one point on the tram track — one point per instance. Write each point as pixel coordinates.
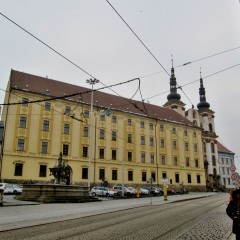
(76, 228)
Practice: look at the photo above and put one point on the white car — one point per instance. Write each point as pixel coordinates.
(8, 188)
(102, 191)
(17, 189)
(144, 191)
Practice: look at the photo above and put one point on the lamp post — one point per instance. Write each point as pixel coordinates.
(92, 82)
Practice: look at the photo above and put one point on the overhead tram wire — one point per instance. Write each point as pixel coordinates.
(138, 37)
(69, 95)
(61, 55)
(144, 45)
(193, 61)
(184, 85)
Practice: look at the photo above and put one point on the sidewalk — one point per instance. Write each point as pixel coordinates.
(17, 214)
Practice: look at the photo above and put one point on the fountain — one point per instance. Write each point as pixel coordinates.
(57, 192)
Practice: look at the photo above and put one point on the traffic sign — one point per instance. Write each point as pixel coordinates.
(234, 176)
(232, 168)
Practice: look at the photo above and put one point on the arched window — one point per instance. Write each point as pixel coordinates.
(213, 161)
(210, 127)
(214, 172)
(212, 148)
(194, 114)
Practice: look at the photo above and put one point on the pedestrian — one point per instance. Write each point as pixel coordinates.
(233, 211)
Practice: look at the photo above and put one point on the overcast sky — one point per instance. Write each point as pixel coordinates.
(93, 36)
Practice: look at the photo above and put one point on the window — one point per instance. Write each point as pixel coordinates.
(65, 149)
(194, 134)
(129, 156)
(153, 175)
(101, 174)
(151, 141)
(85, 151)
(44, 147)
(164, 175)
(114, 154)
(150, 126)
(198, 179)
(174, 144)
(129, 122)
(210, 127)
(23, 122)
(66, 128)
(25, 102)
(152, 158)
(67, 110)
(86, 113)
(84, 173)
(204, 147)
(43, 171)
(144, 176)
(223, 170)
(196, 163)
(47, 106)
(185, 133)
(213, 161)
(161, 128)
(189, 178)
(101, 153)
(102, 133)
(143, 157)
(129, 138)
(174, 130)
(175, 161)
(142, 140)
(114, 119)
(187, 162)
(45, 125)
(141, 124)
(130, 175)
(85, 131)
(176, 177)
(102, 117)
(163, 160)
(195, 147)
(114, 174)
(186, 146)
(20, 146)
(114, 135)
(18, 169)
(212, 148)
(162, 143)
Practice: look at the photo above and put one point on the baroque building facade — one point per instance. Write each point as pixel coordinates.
(131, 141)
(228, 176)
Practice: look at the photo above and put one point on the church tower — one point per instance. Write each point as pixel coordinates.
(206, 120)
(173, 97)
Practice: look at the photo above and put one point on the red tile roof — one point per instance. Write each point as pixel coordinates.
(223, 149)
(52, 88)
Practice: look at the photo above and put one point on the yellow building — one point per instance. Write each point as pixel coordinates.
(132, 141)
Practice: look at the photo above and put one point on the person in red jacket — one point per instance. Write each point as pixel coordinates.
(233, 211)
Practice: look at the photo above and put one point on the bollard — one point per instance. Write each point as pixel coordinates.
(138, 192)
(165, 192)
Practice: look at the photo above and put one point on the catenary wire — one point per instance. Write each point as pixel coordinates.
(138, 37)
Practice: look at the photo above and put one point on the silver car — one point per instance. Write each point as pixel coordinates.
(102, 191)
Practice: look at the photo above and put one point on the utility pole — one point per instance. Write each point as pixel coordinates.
(92, 82)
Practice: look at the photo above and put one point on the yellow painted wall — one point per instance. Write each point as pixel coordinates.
(32, 157)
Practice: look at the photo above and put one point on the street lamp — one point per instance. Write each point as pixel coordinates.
(92, 82)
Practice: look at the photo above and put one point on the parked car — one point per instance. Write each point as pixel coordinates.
(102, 191)
(127, 191)
(8, 188)
(17, 189)
(144, 191)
